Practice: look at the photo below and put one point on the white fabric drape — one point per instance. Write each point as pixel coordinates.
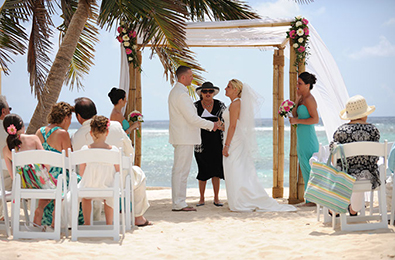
(330, 90)
(124, 74)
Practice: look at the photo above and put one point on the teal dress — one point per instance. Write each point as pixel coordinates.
(125, 126)
(307, 143)
(55, 172)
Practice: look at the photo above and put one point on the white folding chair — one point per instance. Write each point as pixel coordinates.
(20, 159)
(348, 223)
(128, 191)
(96, 230)
(5, 197)
(392, 212)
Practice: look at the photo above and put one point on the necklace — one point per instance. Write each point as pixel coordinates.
(208, 106)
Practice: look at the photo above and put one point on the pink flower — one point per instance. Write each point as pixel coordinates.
(301, 49)
(119, 29)
(305, 21)
(108, 124)
(306, 31)
(134, 34)
(119, 38)
(128, 51)
(11, 130)
(287, 108)
(292, 34)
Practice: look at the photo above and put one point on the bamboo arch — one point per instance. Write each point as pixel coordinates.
(296, 184)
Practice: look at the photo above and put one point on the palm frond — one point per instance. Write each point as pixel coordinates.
(83, 56)
(40, 45)
(219, 10)
(12, 35)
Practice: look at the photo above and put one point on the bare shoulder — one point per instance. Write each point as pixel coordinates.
(235, 105)
(310, 101)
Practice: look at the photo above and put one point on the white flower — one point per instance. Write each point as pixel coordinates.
(298, 23)
(134, 47)
(300, 40)
(130, 58)
(140, 118)
(126, 38)
(295, 45)
(122, 23)
(299, 17)
(124, 30)
(300, 32)
(126, 44)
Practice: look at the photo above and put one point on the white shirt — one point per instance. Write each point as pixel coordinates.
(116, 136)
(184, 123)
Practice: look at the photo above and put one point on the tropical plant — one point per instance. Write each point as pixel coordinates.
(160, 22)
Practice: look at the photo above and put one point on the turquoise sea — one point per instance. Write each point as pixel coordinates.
(157, 153)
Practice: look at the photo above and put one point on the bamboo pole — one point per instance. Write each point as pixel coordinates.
(132, 96)
(281, 122)
(293, 157)
(301, 68)
(139, 108)
(276, 188)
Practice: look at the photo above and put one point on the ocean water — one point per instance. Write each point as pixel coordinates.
(157, 153)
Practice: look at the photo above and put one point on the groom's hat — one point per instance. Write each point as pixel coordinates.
(207, 85)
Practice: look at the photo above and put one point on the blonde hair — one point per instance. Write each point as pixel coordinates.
(237, 84)
(99, 125)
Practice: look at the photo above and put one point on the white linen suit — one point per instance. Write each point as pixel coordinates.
(184, 133)
(118, 138)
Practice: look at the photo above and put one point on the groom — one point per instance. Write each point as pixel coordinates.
(184, 133)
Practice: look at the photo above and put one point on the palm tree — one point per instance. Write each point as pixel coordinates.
(161, 22)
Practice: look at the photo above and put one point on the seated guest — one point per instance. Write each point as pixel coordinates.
(118, 99)
(55, 138)
(4, 110)
(85, 109)
(358, 130)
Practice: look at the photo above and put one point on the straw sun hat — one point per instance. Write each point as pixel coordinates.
(356, 107)
(207, 85)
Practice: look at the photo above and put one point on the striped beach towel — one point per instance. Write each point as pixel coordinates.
(329, 187)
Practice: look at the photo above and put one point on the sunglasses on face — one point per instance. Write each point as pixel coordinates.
(205, 91)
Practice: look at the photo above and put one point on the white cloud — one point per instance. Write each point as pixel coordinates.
(390, 22)
(383, 49)
(278, 9)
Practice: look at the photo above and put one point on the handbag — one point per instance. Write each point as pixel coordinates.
(330, 187)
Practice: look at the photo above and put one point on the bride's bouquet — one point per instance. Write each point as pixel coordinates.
(136, 116)
(286, 108)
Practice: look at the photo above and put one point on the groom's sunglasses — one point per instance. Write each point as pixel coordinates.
(205, 91)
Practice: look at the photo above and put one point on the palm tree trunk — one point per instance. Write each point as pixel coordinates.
(59, 67)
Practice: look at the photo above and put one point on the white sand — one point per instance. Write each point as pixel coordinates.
(215, 233)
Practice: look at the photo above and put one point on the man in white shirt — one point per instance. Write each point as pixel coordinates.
(4, 110)
(85, 109)
(184, 133)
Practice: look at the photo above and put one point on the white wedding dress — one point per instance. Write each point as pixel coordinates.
(243, 189)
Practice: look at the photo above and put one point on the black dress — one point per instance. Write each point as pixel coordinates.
(209, 153)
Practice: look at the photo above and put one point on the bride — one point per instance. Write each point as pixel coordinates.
(243, 189)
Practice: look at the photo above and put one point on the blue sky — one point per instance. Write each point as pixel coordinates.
(358, 33)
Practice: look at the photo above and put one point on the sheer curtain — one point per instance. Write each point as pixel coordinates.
(124, 74)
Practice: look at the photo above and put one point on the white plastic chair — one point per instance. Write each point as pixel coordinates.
(96, 230)
(5, 197)
(372, 149)
(392, 212)
(37, 157)
(128, 192)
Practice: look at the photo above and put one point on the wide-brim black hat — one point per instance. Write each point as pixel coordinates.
(207, 85)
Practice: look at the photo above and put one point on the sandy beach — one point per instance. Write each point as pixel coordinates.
(215, 233)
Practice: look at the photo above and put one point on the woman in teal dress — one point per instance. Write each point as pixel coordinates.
(305, 116)
(55, 138)
(118, 99)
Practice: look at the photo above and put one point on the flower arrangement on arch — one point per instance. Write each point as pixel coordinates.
(128, 39)
(299, 34)
(136, 116)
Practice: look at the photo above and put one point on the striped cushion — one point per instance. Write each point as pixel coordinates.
(329, 187)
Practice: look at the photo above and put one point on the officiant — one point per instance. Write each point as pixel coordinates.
(209, 153)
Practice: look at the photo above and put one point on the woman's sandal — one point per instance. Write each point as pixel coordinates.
(330, 214)
(349, 212)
